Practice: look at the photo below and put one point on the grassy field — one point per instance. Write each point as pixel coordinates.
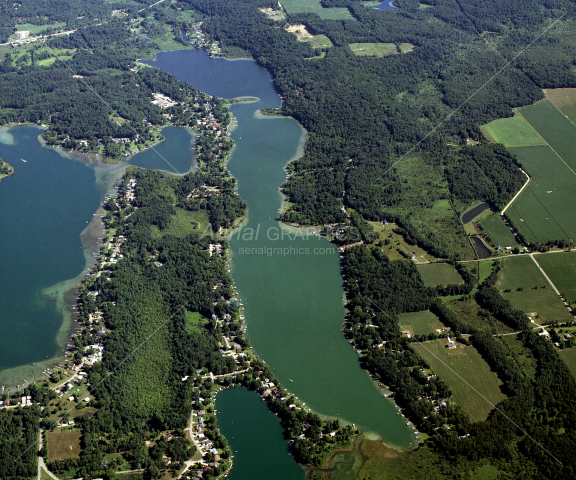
(319, 41)
(520, 272)
(435, 274)
(544, 210)
(379, 49)
(561, 268)
(313, 6)
(564, 99)
(569, 356)
(34, 29)
(513, 132)
(557, 130)
(181, 223)
(542, 301)
(454, 366)
(498, 232)
(397, 243)
(63, 445)
(420, 323)
(195, 322)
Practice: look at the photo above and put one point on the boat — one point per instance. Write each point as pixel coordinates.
(24, 160)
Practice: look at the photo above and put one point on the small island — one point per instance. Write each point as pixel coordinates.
(5, 169)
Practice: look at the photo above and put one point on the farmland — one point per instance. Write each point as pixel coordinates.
(420, 323)
(63, 445)
(435, 274)
(544, 209)
(569, 356)
(520, 272)
(513, 132)
(561, 268)
(459, 365)
(498, 232)
(564, 99)
(542, 301)
(313, 6)
(555, 128)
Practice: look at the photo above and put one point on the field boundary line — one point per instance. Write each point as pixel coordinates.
(546, 276)
(519, 192)
(551, 147)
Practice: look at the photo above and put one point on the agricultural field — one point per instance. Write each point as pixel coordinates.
(62, 445)
(520, 272)
(459, 365)
(543, 302)
(561, 268)
(313, 6)
(564, 99)
(513, 132)
(544, 210)
(34, 29)
(434, 274)
(498, 232)
(420, 323)
(554, 127)
(569, 356)
(379, 49)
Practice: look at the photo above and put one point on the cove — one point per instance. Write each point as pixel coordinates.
(290, 285)
(255, 437)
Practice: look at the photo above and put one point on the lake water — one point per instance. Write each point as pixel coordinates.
(256, 438)
(44, 208)
(385, 5)
(290, 284)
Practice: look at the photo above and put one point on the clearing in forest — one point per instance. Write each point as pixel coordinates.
(455, 367)
(275, 15)
(513, 132)
(313, 6)
(380, 49)
(62, 445)
(561, 268)
(420, 323)
(303, 35)
(434, 274)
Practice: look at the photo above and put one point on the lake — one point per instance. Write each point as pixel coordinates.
(289, 282)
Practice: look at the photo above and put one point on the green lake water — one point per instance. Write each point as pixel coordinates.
(255, 437)
(290, 285)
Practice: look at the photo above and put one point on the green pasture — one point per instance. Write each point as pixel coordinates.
(498, 232)
(561, 268)
(420, 323)
(542, 301)
(557, 130)
(195, 322)
(34, 29)
(319, 41)
(463, 370)
(434, 274)
(544, 210)
(513, 132)
(569, 356)
(313, 6)
(520, 272)
(182, 223)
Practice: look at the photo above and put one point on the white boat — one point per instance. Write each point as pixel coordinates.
(24, 160)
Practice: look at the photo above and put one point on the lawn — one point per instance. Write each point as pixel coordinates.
(313, 6)
(420, 323)
(498, 232)
(513, 132)
(520, 272)
(569, 356)
(435, 274)
(543, 302)
(544, 210)
(374, 49)
(557, 130)
(459, 365)
(564, 99)
(63, 445)
(561, 268)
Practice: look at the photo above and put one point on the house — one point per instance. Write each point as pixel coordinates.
(567, 336)
(406, 333)
(450, 343)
